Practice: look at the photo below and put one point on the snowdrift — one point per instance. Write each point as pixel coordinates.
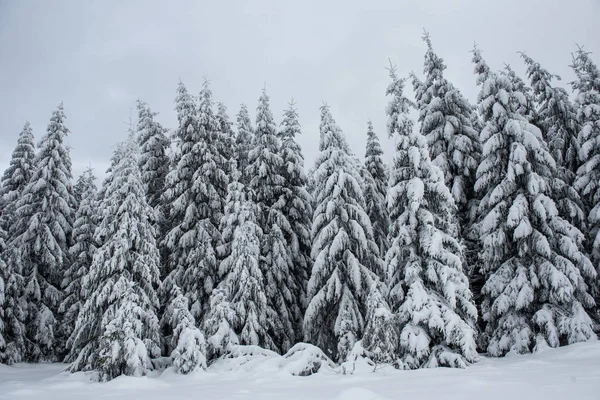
(302, 359)
(570, 372)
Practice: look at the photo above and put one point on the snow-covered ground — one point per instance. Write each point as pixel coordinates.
(571, 373)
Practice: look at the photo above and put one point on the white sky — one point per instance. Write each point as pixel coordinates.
(99, 56)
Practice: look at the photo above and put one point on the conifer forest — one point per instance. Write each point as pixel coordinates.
(476, 235)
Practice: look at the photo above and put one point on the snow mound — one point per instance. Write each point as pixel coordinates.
(246, 358)
(357, 361)
(304, 359)
(301, 360)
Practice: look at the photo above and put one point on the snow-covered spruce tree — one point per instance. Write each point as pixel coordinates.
(12, 309)
(232, 216)
(382, 335)
(375, 190)
(154, 165)
(78, 188)
(557, 118)
(227, 136)
(4, 278)
(445, 117)
(219, 322)
(267, 186)
(344, 251)
(115, 158)
(154, 162)
(527, 103)
(535, 292)
(40, 247)
(429, 292)
(187, 342)
(117, 328)
(82, 252)
(194, 203)
(243, 142)
(16, 177)
(587, 180)
(297, 208)
(214, 156)
(245, 284)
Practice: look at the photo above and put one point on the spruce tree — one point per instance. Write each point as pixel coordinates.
(16, 177)
(297, 209)
(154, 162)
(557, 118)
(117, 328)
(81, 252)
(535, 291)
(526, 101)
(227, 136)
(429, 292)
(445, 117)
(40, 249)
(343, 250)
(219, 323)
(375, 190)
(4, 278)
(245, 284)
(194, 203)
(243, 142)
(12, 310)
(187, 342)
(215, 155)
(587, 180)
(381, 336)
(267, 187)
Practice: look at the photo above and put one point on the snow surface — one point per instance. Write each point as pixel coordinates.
(571, 372)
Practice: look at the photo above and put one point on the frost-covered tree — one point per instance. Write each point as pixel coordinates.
(154, 162)
(265, 161)
(527, 104)
(187, 342)
(4, 278)
(246, 284)
(587, 180)
(232, 215)
(343, 248)
(267, 188)
(116, 331)
(445, 117)
(214, 154)
(40, 248)
(557, 118)
(194, 203)
(375, 190)
(82, 252)
(429, 292)
(227, 136)
(297, 209)
(12, 311)
(243, 142)
(381, 336)
(220, 320)
(12, 307)
(535, 291)
(219, 323)
(16, 177)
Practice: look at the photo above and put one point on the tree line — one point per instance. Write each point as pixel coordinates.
(481, 235)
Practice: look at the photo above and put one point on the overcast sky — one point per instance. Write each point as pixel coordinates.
(99, 56)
